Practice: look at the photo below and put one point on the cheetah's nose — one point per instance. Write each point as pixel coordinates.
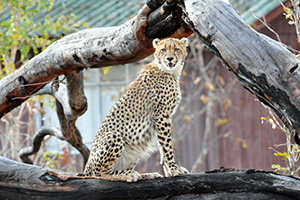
(170, 58)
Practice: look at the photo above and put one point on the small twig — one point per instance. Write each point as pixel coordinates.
(266, 25)
(54, 84)
(274, 32)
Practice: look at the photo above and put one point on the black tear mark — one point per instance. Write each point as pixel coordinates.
(209, 38)
(294, 69)
(75, 57)
(22, 85)
(250, 171)
(296, 138)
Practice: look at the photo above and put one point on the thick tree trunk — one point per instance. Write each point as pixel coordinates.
(262, 65)
(22, 181)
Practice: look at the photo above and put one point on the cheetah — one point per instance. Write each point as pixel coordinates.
(140, 117)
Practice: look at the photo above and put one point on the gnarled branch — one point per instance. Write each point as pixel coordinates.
(37, 141)
(70, 104)
(90, 48)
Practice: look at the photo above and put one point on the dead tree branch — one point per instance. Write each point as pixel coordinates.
(262, 65)
(37, 141)
(41, 183)
(70, 104)
(89, 48)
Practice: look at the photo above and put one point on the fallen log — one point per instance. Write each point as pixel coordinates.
(23, 181)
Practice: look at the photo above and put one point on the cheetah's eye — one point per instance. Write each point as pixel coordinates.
(163, 50)
(176, 49)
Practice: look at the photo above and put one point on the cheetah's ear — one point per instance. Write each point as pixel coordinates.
(155, 42)
(184, 41)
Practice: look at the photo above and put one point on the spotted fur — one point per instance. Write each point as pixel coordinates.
(141, 116)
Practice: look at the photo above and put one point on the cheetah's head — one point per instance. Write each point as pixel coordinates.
(170, 54)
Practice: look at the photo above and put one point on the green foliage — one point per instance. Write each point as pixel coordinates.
(290, 158)
(51, 160)
(277, 167)
(292, 154)
(106, 70)
(21, 33)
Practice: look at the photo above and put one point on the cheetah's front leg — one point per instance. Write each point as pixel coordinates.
(166, 150)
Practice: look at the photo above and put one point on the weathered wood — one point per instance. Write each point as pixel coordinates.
(262, 65)
(71, 103)
(70, 99)
(168, 12)
(22, 181)
(89, 48)
(37, 141)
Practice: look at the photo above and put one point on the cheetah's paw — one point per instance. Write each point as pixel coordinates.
(151, 175)
(134, 176)
(175, 171)
(126, 175)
